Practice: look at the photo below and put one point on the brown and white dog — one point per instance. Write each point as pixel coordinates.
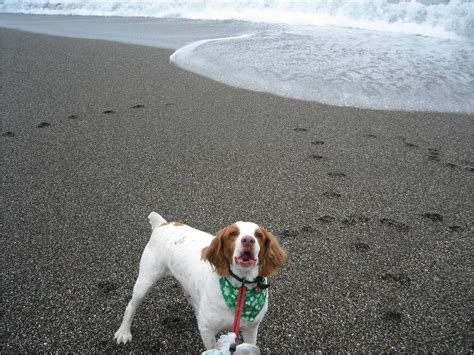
(197, 260)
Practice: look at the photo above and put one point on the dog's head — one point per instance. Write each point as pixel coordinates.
(244, 246)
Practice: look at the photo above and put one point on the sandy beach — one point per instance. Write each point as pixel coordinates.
(374, 207)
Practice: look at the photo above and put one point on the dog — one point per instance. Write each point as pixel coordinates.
(209, 269)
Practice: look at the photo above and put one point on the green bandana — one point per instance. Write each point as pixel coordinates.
(254, 301)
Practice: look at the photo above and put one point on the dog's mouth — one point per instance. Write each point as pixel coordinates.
(246, 259)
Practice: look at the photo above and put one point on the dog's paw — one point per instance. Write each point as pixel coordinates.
(123, 336)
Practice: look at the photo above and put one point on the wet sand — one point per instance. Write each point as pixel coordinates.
(374, 207)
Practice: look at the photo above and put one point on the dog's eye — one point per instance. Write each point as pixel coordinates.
(233, 234)
(258, 234)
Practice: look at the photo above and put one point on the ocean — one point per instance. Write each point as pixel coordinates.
(378, 54)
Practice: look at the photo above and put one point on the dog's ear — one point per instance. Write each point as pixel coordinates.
(219, 252)
(272, 256)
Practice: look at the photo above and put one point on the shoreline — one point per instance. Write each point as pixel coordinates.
(451, 95)
(373, 206)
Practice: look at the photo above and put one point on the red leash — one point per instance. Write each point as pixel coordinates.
(239, 308)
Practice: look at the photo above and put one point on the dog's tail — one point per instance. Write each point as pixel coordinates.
(155, 220)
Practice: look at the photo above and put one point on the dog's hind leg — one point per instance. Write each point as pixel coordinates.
(151, 269)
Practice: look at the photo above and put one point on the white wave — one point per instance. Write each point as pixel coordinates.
(436, 18)
(342, 67)
(187, 49)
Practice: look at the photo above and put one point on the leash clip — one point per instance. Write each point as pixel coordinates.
(261, 285)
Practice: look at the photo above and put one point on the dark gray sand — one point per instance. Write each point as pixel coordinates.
(376, 216)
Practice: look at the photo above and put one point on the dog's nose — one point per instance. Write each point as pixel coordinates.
(248, 241)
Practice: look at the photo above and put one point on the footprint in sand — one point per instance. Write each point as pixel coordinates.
(411, 145)
(370, 135)
(352, 220)
(290, 233)
(308, 229)
(331, 194)
(337, 174)
(317, 157)
(399, 226)
(326, 219)
(138, 106)
(108, 112)
(107, 287)
(362, 246)
(43, 125)
(8, 134)
(455, 228)
(175, 323)
(317, 142)
(392, 316)
(401, 278)
(407, 144)
(73, 117)
(435, 217)
(468, 165)
(433, 154)
(299, 129)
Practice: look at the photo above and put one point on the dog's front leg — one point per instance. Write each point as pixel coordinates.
(208, 336)
(249, 333)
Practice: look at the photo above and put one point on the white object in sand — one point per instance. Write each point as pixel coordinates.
(224, 343)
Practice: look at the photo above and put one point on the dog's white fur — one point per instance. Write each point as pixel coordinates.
(175, 250)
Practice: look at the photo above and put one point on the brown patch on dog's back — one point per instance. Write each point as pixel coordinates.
(175, 224)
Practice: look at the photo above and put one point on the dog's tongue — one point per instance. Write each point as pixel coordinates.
(246, 259)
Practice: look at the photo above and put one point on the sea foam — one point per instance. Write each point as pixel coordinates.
(342, 67)
(438, 18)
